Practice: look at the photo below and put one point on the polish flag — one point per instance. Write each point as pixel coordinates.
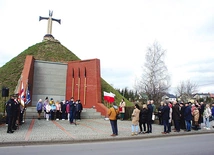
(109, 97)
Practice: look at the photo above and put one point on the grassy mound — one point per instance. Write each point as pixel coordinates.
(46, 51)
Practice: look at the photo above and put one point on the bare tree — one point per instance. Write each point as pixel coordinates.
(155, 78)
(186, 89)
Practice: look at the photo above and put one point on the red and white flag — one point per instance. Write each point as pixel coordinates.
(22, 93)
(109, 97)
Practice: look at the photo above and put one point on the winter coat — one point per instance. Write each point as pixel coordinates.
(150, 112)
(170, 115)
(39, 106)
(195, 114)
(176, 112)
(122, 107)
(44, 104)
(212, 110)
(10, 105)
(58, 106)
(187, 113)
(135, 116)
(67, 108)
(79, 107)
(64, 107)
(113, 112)
(160, 108)
(207, 112)
(144, 115)
(48, 108)
(165, 113)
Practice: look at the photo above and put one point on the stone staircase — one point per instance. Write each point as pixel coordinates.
(86, 113)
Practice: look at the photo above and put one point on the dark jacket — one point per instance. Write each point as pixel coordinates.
(187, 113)
(160, 108)
(72, 106)
(64, 107)
(176, 112)
(79, 106)
(165, 113)
(10, 107)
(143, 115)
(150, 111)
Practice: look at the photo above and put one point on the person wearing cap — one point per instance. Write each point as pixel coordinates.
(10, 112)
(112, 114)
(39, 108)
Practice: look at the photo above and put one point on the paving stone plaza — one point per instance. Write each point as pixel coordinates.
(35, 131)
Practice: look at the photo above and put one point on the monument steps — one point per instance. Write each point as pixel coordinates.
(87, 113)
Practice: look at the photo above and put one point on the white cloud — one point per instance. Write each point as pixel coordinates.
(118, 32)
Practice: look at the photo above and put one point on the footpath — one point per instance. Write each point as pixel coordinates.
(39, 132)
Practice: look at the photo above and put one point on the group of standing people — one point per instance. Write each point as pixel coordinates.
(186, 116)
(139, 117)
(14, 113)
(64, 110)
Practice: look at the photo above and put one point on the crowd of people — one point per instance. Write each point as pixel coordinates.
(64, 110)
(183, 116)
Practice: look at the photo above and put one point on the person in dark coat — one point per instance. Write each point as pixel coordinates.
(72, 110)
(160, 108)
(188, 116)
(16, 113)
(182, 120)
(165, 116)
(149, 118)
(78, 110)
(10, 105)
(201, 112)
(176, 116)
(143, 119)
(63, 110)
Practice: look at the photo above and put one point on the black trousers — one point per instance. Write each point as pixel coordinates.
(144, 126)
(78, 114)
(9, 127)
(149, 126)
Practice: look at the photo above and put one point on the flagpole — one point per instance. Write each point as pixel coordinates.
(72, 83)
(78, 83)
(85, 88)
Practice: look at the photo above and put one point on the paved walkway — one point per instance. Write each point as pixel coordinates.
(35, 131)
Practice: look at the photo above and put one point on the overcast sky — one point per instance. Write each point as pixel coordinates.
(118, 33)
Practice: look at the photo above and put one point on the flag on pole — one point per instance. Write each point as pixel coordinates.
(22, 93)
(27, 96)
(109, 97)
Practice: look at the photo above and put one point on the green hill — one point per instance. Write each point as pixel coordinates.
(47, 51)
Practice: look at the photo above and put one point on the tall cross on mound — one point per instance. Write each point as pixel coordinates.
(49, 36)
